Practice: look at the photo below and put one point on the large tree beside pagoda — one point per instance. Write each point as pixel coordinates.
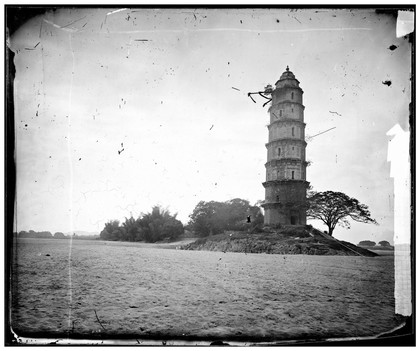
(335, 208)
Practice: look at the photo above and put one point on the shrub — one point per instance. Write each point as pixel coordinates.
(366, 243)
(150, 227)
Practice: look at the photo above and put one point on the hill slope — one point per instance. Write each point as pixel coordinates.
(292, 240)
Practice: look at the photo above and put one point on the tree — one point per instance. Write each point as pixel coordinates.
(112, 231)
(204, 219)
(384, 243)
(366, 243)
(172, 228)
(159, 224)
(44, 234)
(335, 208)
(131, 229)
(34, 234)
(59, 235)
(214, 217)
(149, 227)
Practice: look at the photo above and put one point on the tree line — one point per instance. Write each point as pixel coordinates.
(48, 235)
(208, 218)
(40, 235)
(150, 227)
(214, 217)
(369, 243)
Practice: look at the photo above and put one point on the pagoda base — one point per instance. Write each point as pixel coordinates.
(285, 202)
(282, 214)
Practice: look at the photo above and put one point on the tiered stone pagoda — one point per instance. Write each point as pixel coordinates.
(285, 185)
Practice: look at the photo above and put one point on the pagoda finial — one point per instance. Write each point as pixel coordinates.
(287, 68)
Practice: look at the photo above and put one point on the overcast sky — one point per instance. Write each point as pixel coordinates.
(117, 110)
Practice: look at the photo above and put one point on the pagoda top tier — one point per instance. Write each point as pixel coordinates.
(287, 74)
(287, 79)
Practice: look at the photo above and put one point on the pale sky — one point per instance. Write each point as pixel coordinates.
(157, 85)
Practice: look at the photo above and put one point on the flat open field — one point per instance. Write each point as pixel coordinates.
(147, 291)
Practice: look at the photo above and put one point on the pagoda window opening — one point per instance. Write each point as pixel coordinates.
(279, 151)
(293, 174)
(293, 131)
(293, 95)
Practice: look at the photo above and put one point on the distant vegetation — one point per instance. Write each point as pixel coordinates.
(49, 235)
(209, 218)
(214, 217)
(382, 245)
(33, 234)
(366, 243)
(150, 227)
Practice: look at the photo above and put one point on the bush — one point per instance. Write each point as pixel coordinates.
(384, 243)
(366, 243)
(210, 218)
(33, 234)
(150, 227)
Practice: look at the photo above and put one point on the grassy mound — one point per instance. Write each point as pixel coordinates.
(291, 240)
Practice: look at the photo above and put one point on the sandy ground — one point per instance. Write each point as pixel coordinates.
(147, 290)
